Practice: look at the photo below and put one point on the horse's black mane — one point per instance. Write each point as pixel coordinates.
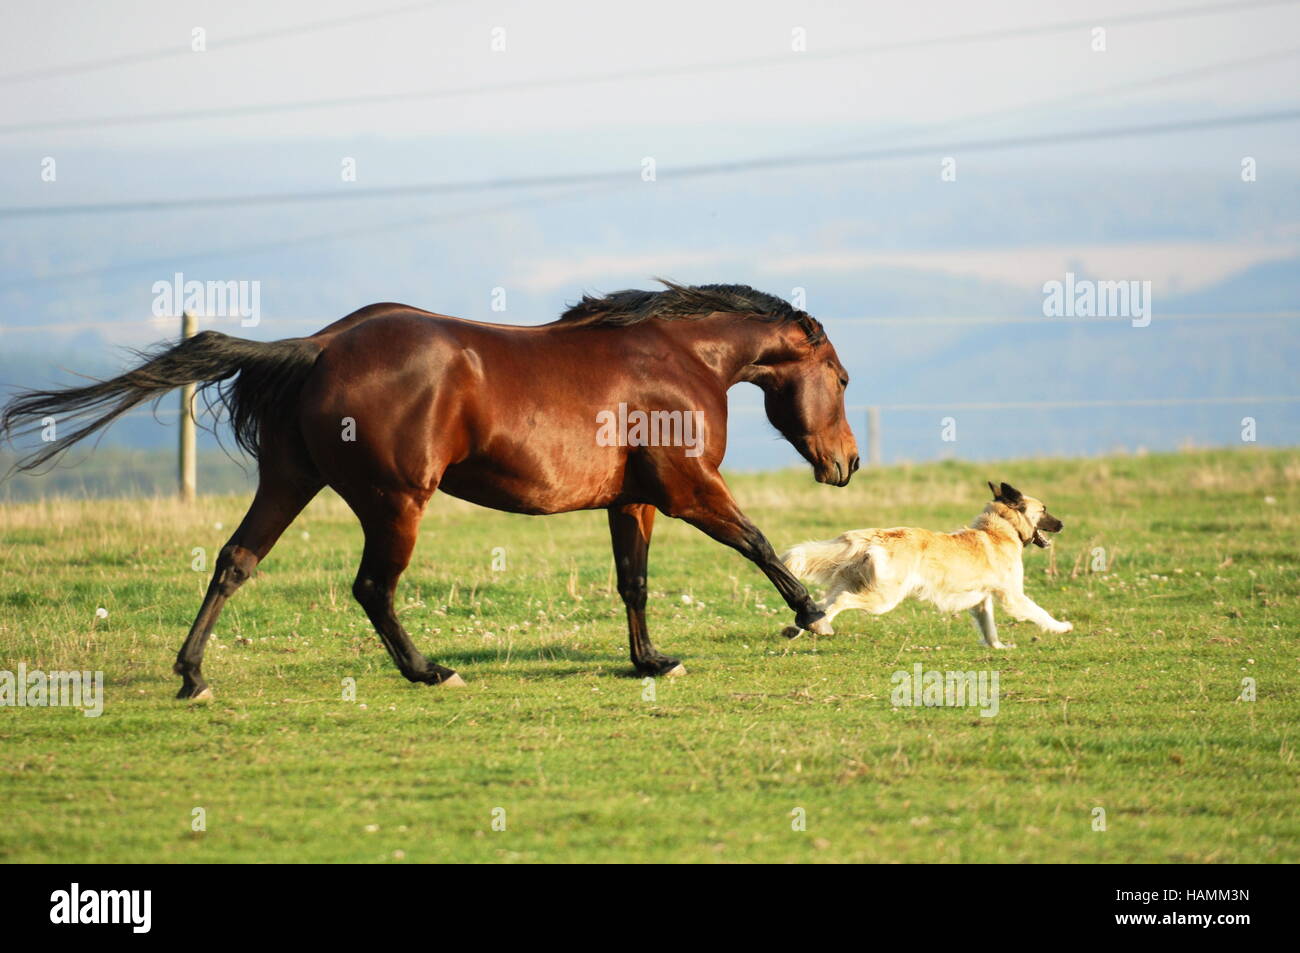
(677, 302)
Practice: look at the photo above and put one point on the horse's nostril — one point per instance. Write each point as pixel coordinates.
(854, 464)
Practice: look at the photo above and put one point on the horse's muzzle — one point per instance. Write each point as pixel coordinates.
(838, 472)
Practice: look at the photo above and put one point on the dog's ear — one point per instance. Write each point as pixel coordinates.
(994, 489)
(1011, 495)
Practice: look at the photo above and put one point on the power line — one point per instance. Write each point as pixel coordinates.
(393, 226)
(682, 172)
(1180, 76)
(169, 52)
(605, 179)
(185, 115)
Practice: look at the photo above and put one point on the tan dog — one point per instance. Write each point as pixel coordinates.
(876, 569)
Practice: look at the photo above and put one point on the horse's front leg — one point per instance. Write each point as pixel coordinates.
(630, 528)
(712, 509)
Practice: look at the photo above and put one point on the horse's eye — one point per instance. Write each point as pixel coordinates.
(844, 382)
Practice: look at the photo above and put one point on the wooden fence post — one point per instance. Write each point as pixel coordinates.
(873, 436)
(188, 461)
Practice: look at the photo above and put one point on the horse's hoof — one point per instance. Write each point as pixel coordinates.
(792, 632)
(821, 627)
(203, 695)
(453, 681)
(660, 666)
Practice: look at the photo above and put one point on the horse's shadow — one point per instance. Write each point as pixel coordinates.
(528, 660)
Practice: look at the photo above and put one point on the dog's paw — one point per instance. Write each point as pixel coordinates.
(792, 632)
(1063, 628)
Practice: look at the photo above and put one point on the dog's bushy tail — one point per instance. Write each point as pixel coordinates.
(819, 560)
(270, 376)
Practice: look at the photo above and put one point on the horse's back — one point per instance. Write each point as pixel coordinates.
(372, 312)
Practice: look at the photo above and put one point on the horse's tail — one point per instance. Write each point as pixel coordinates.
(270, 376)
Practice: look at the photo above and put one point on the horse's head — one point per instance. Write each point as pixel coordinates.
(803, 386)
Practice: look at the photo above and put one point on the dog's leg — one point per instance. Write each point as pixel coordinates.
(837, 602)
(1020, 606)
(983, 616)
(875, 601)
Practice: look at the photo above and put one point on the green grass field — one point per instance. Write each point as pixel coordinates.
(1136, 712)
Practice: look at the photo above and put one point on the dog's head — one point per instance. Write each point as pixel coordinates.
(1037, 520)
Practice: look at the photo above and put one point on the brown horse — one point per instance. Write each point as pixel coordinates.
(621, 404)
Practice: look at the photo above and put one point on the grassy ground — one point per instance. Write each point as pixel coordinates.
(1136, 712)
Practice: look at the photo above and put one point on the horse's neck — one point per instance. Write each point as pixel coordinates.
(731, 345)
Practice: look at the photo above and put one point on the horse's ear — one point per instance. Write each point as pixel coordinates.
(1011, 495)
(994, 489)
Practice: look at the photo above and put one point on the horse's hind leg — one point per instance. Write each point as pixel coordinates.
(391, 527)
(277, 502)
(630, 528)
